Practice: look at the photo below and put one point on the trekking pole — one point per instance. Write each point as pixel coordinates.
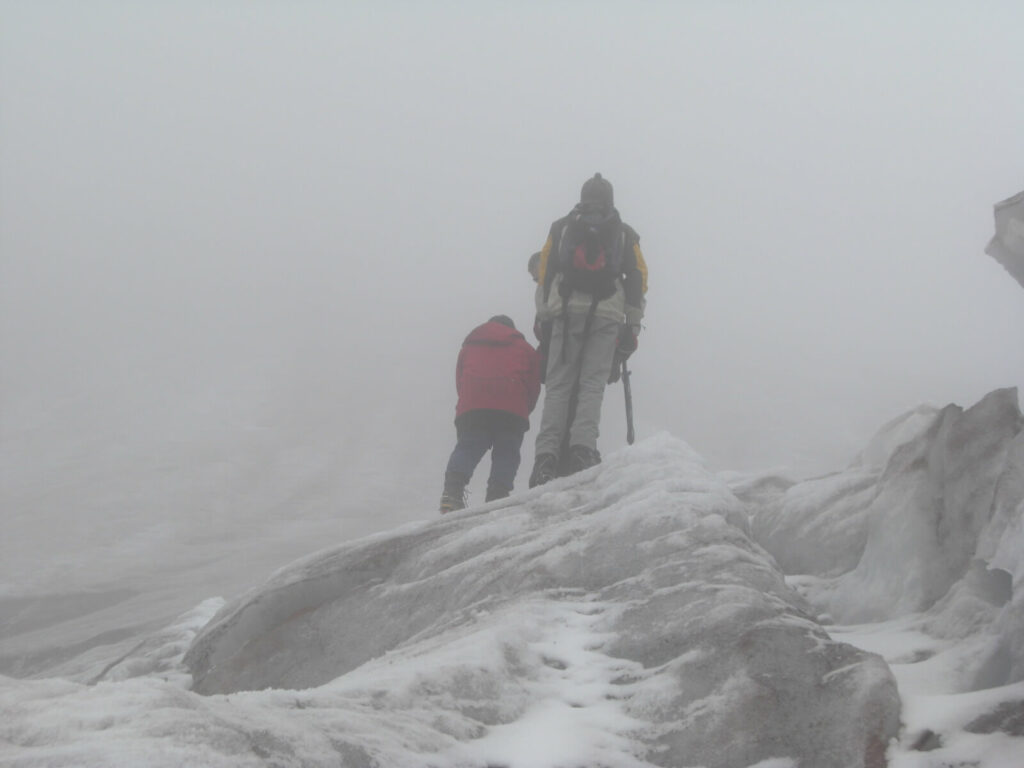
(630, 435)
(574, 395)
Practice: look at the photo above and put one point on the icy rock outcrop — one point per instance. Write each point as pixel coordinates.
(833, 511)
(929, 519)
(933, 503)
(894, 435)
(635, 584)
(1007, 245)
(1002, 547)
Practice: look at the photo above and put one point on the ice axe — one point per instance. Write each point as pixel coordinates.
(630, 435)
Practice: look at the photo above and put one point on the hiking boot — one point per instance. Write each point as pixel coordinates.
(453, 496)
(452, 500)
(581, 457)
(495, 492)
(545, 469)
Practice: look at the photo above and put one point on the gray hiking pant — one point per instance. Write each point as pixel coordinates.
(594, 368)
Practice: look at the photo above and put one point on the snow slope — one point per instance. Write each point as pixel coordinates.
(627, 616)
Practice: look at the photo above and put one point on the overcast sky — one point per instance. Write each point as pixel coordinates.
(288, 215)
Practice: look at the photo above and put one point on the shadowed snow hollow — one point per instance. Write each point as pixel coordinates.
(830, 511)
(621, 617)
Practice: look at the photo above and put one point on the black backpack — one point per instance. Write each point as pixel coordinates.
(591, 252)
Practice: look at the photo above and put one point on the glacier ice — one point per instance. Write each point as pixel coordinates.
(636, 581)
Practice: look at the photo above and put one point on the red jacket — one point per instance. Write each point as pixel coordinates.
(498, 370)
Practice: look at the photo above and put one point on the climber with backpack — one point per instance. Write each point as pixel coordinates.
(497, 378)
(591, 283)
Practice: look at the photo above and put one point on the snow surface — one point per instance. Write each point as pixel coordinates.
(622, 617)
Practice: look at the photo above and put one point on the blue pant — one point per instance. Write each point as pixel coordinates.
(503, 437)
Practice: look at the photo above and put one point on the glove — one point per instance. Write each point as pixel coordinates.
(542, 330)
(628, 341)
(625, 346)
(616, 373)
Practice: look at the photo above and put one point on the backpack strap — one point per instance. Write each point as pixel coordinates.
(555, 238)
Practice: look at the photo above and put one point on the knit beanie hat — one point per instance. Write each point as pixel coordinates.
(504, 320)
(597, 191)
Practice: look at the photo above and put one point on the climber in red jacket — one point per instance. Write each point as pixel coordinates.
(498, 381)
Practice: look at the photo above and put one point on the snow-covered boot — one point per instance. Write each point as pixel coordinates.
(453, 496)
(581, 457)
(495, 492)
(545, 469)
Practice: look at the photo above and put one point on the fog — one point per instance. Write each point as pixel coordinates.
(240, 243)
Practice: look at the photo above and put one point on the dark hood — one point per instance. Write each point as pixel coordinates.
(493, 333)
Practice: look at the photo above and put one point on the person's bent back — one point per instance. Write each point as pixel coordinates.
(497, 378)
